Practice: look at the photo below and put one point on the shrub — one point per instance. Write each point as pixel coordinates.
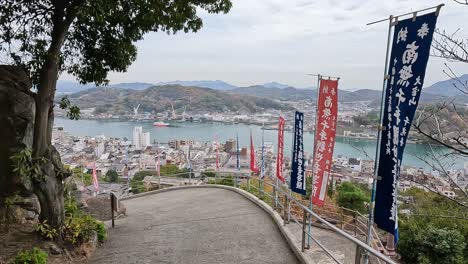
(33, 256)
(70, 206)
(137, 186)
(79, 228)
(425, 207)
(112, 176)
(352, 197)
(46, 231)
(429, 244)
(101, 231)
(229, 181)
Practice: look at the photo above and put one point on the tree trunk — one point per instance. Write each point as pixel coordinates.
(50, 190)
(50, 194)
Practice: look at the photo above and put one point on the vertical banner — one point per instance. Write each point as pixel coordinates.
(298, 184)
(279, 156)
(158, 166)
(217, 152)
(252, 155)
(95, 179)
(262, 168)
(324, 140)
(188, 157)
(237, 152)
(407, 66)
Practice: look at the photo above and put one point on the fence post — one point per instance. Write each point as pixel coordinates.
(342, 219)
(285, 211)
(112, 198)
(304, 219)
(355, 223)
(358, 256)
(248, 183)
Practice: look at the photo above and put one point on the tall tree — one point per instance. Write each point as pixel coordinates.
(87, 39)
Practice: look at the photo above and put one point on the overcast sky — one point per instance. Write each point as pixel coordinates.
(282, 40)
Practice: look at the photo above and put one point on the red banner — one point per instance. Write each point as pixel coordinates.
(324, 141)
(279, 157)
(95, 179)
(252, 155)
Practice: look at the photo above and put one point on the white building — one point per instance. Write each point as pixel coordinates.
(140, 139)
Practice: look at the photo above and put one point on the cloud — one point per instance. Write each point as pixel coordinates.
(277, 40)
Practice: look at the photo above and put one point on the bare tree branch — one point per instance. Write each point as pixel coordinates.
(461, 2)
(435, 161)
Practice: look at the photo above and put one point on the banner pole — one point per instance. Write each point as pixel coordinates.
(405, 14)
(370, 223)
(319, 77)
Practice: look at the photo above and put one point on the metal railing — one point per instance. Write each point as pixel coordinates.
(290, 207)
(282, 200)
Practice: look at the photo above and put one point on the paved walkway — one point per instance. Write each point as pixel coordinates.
(203, 225)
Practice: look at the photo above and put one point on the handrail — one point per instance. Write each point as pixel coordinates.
(290, 199)
(341, 232)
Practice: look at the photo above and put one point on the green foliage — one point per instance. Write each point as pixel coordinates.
(79, 228)
(165, 170)
(99, 36)
(371, 118)
(47, 231)
(33, 256)
(425, 207)
(352, 197)
(209, 174)
(137, 186)
(112, 176)
(79, 175)
(73, 111)
(229, 181)
(139, 176)
(168, 170)
(25, 165)
(429, 244)
(101, 231)
(70, 206)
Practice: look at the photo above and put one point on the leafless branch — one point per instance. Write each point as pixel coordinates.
(428, 124)
(439, 164)
(440, 194)
(461, 2)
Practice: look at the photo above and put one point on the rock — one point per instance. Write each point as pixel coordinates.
(88, 248)
(23, 210)
(30, 203)
(17, 111)
(54, 249)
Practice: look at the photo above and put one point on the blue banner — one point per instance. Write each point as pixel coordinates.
(237, 152)
(407, 66)
(298, 182)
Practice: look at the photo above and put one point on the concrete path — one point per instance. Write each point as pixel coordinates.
(341, 248)
(203, 225)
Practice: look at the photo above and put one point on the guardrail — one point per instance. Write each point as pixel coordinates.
(281, 199)
(291, 209)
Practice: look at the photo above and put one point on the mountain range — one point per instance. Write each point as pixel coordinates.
(163, 97)
(443, 90)
(446, 88)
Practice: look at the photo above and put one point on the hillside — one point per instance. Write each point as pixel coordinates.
(446, 88)
(216, 84)
(292, 94)
(159, 98)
